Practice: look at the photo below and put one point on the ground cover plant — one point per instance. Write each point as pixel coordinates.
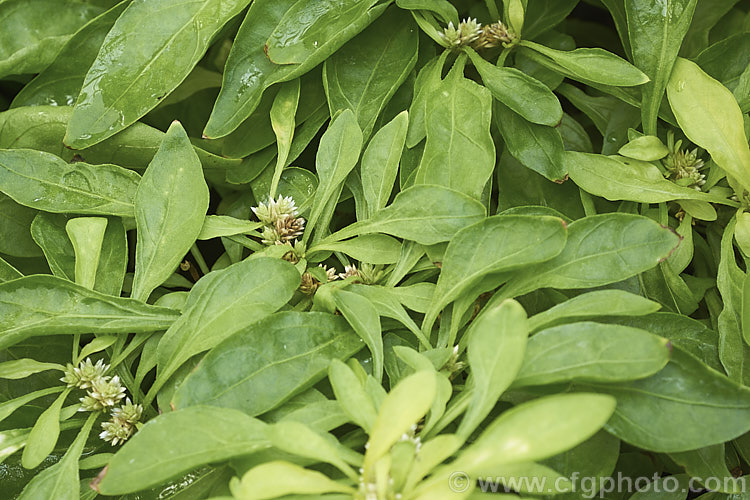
(374, 249)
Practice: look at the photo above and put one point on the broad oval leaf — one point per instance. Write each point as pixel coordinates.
(496, 346)
(591, 352)
(222, 303)
(537, 429)
(426, 214)
(194, 437)
(45, 182)
(589, 65)
(268, 362)
(521, 93)
(170, 208)
(151, 48)
(497, 244)
(600, 249)
(683, 407)
(618, 178)
(380, 162)
(710, 117)
(47, 305)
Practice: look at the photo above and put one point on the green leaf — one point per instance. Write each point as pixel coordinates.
(459, 152)
(619, 178)
(249, 71)
(591, 352)
(215, 226)
(222, 303)
(194, 437)
(15, 229)
(537, 147)
(60, 83)
(590, 65)
(305, 29)
(730, 281)
(591, 305)
(8, 272)
(380, 162)
(61, 480)
(44, 434)
(443, 8)
(22, 368)
(87, 235)
(8, 407)
(427, 82)
(29, 40)
(709, 462)
(710, 117)
(425, 214)
(48, 231)
(300, 440)
(282, 115)
(495, 245)
(656, 30)
(521, 93)
(268, 362)
(402, 408)
(365, 73)
(47, 305)
(351, 395)
(361, 314)
(535, 430)
(151, 48)
(600, 249)
(43, 181)
(171, 205)
(337, 155)
(278, 479)
(370, 248)
(683, 407)
(496, 346)
(113, 259)
(645, 148)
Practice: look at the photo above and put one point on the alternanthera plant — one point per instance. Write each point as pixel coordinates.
(374, 249)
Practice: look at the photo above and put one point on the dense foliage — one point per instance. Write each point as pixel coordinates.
(335, 249)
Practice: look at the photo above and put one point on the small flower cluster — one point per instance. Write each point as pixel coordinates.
(470, 33)
(683, 166)
(367, 274)
(310, 284)
(104, 393)
(282, 226)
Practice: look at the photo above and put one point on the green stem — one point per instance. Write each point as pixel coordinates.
(198, 256)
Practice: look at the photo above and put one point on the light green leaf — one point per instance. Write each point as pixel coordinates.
(380, 162)
(278, 479)
(351, 395)
(364, 319)
(151, 48)
(269, 361)
(425, 214)
(645, 148)
(300, 440)
(496, 346)
(47, 305)
(535, 430)
(44, 434)
(8, 272)
(43, 181)
(87, 235)
(590, 65)
(22, 368)
(171, 205)
(618, 178)
(592, 352)
(592, 305)
(215, 226)
(710, 117)
(222, 303)
(370, 248)
(407, 402)
(194, 437)
(521, 93)
(495, 245)
(282, 116)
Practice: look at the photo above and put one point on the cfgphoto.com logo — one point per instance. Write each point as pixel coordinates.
(590, 487)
